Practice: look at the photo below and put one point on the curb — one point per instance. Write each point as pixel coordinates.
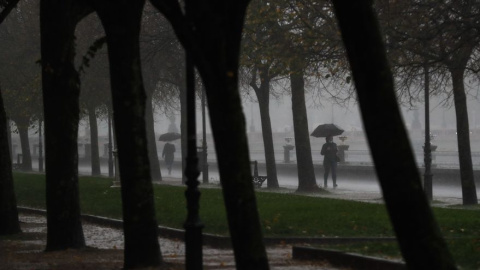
(342, 259)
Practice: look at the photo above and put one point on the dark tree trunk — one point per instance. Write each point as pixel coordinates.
(215, 48)
(25, 143)
(469, 191)
(152, 141)
(228, 125)
(417, 232)
(60, 85)
(9, 223)
(121, 22)
(263, 96)
(306, 173)
(95, 157)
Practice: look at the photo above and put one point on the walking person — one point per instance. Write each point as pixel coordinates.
(168, 155)
(330, 159)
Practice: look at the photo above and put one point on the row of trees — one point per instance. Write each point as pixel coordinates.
(211, 33)
(22, 85)
(277, 34)
(426, 43)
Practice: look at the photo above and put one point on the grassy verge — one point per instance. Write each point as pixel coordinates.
(465, 251)
(280, 214)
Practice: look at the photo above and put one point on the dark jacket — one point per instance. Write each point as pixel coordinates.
(168, 151)
(329, 151)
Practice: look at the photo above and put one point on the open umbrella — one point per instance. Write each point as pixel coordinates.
(169, 136)
(327, 130)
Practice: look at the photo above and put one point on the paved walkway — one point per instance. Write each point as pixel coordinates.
(173, 251)
(337, 193)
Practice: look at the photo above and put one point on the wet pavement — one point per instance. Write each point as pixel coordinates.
(173, 251)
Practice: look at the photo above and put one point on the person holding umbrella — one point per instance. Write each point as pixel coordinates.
(169, 155)
(168, 152)
(330, 159)
(329, 150)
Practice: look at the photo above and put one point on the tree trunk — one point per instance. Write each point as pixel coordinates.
(25, 143)
(152, 141)
(215, 46)
(60, 85)
(228, 125)
(121, 22)
(263, 96)
(418, 234)
(469, 191)
(95, 157)
(9, 223)
(306, 173)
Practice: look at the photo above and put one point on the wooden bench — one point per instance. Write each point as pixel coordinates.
(257, 179)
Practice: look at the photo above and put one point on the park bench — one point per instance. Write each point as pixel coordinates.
(257, 179)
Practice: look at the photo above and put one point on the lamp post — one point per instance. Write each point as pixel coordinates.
(427, 177)
(193, 226)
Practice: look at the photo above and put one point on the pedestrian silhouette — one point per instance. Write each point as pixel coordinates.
(330, 159)
(168, 155)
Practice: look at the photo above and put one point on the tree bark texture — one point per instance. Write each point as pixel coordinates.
(60, 84)
(9, 223)
(95, 156)
(306, 173)
(263, 96)
(469, 191)
(418, 234)
(121, 22)
(22, 126)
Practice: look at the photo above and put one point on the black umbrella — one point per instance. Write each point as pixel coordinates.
(326, 130)
(169, 136)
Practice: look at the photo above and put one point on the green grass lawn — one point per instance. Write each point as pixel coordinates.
(280, 214)
(465, 251)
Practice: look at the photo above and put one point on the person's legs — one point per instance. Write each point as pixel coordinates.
(334, 173)
(169, 165)
(326, 167)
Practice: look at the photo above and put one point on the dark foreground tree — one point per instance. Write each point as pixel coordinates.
(9, 223)
(61, 90)
(121, 22)
(211, 34)
(417, 232)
